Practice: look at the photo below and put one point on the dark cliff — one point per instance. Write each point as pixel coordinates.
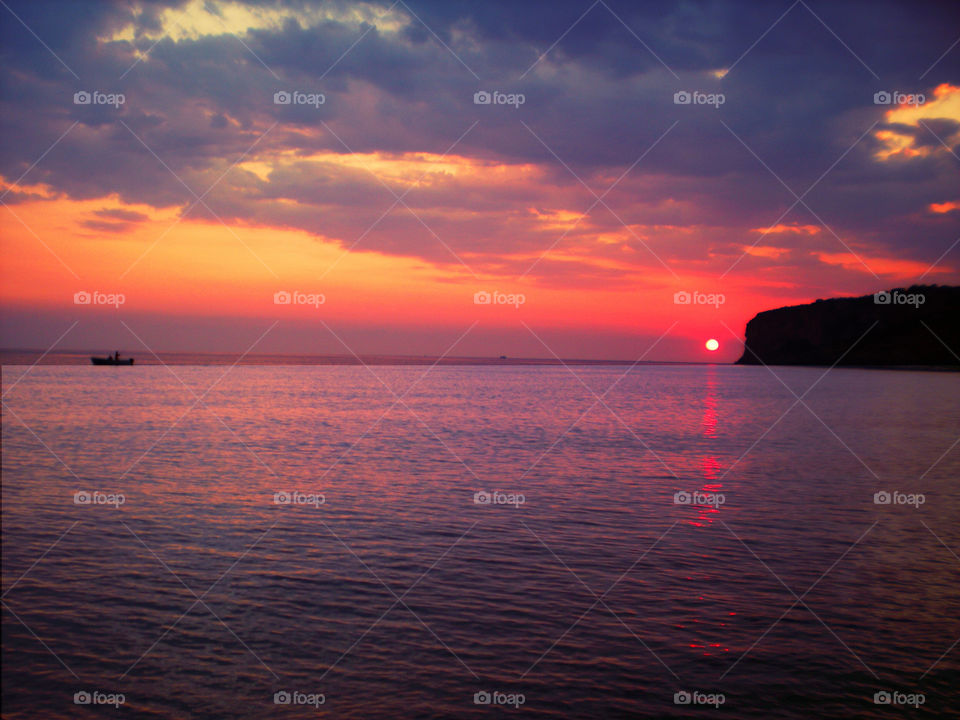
(917, 326)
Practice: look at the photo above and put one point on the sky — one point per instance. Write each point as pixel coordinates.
(591, 179)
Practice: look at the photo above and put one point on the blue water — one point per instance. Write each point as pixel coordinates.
(586, 590)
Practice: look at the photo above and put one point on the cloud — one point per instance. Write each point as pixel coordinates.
(398, 117)
(114, 220)
(944, 207)
(129, 216)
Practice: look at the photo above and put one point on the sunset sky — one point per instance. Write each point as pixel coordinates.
(398, 198)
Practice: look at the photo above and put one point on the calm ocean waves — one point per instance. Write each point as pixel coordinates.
(414, 542)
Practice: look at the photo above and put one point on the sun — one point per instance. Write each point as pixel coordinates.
(712, 344)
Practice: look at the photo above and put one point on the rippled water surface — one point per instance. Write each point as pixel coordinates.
(588, 587)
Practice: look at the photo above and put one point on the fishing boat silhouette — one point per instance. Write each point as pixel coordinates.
(114, 359)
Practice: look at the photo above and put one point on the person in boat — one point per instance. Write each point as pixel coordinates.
(116, 356)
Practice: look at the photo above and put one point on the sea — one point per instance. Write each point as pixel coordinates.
(476, 540)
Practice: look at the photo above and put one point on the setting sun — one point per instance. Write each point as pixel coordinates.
(712, 344)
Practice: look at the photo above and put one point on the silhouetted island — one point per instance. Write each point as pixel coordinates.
(915, 326)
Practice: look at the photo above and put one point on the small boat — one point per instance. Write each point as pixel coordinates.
(114, 359)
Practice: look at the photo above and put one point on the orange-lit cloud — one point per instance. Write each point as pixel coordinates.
(945, 104)
(198, 18)
(793, 229)
(766, 251)
(944, 207)
(894, 268)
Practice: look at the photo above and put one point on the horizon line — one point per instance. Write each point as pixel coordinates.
(334, 358)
